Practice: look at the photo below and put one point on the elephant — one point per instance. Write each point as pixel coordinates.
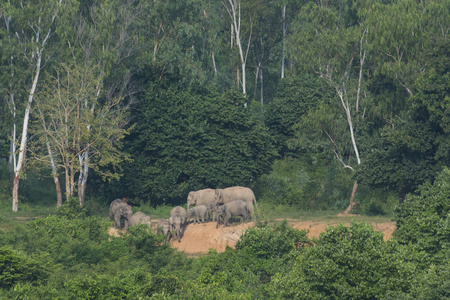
(222, 196)
(140, 218)
(198, 212)
(177, 221)
(233, 208)
(200, 197)
(118, 209)
(210, 208)
(163, 228)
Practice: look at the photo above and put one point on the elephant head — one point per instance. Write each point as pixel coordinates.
(163, 227)
(127, 212)
(191, 199)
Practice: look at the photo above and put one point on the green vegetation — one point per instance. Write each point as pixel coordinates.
(69, 255)
(300, 101)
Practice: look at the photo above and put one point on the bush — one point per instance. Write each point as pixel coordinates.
(268, 242)
(72, 209)
(346, 263)
(423, 220)
(16, 267)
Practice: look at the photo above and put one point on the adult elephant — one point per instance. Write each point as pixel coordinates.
(201, 197)
(231, 209)
(222, 196)
(119, 209)
(177, 221)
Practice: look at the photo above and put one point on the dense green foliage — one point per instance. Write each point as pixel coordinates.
(58, 257)
(189, 140)
(149, 105)
(423, 220)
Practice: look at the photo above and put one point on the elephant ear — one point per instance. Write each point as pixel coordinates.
(171, 220)
(183, 219)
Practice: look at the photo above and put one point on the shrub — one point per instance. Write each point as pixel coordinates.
(423, 220)
(271, 241)
(16, 267)
(345, 263)
(72, 209)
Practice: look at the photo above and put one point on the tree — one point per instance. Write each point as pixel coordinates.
(31, 25)
(233, 8)
(342, 63)
(413, 145)
(79, 127)
(188, 140)
(423, 219)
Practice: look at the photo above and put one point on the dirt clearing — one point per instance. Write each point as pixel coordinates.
(199, 238)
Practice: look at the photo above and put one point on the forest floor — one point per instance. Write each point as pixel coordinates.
(199, 238)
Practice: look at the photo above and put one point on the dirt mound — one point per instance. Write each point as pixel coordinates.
(199, 238)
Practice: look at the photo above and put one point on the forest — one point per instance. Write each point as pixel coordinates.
(317, 106)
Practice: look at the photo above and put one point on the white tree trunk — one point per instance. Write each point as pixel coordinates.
(235, 14)
(21, 155)
(82, 179)
(283, 13)
(55, 176)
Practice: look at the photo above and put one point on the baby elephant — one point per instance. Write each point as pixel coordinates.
(177, 221)
(141, 218)
(198, 212)
(233, 208)
(163, 228)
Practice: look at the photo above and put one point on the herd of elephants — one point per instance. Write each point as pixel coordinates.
(221, 203)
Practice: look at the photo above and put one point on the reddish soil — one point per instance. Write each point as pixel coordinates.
(199, 238)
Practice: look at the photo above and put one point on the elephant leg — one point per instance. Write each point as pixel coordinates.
(117, 221)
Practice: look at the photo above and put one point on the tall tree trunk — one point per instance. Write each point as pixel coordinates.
(262, 86)
(55, 177)
(214, 64)
(283, 13)
(18, 168)
(67, 174)
(235, 14)
(352, 200)
(82, 179)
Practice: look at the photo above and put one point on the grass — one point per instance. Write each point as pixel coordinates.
(9, 219)
(264, 211)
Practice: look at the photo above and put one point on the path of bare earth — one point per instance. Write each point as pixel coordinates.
(199, 238)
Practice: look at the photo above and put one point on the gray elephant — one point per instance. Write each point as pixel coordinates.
(198, 212)
(163, 228)
(177, 221)
(200, 197)
(222, 196)
(231, 209)
(140, 218)
(120, 209)
(210, 209)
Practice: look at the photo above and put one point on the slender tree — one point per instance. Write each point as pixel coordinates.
(341, 63)
(32, 24)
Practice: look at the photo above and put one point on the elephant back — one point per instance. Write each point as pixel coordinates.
(235, 193)
(140, 218)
